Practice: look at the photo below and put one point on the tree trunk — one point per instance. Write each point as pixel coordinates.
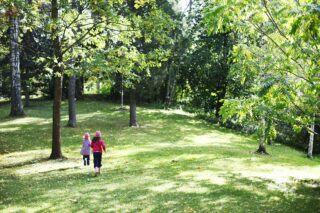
(26, 90)
(16, 103)
(121, 91)
(98, 85)
(72, 101)
(133, 112)
(171, 84)
(58, 78)
(311, 139)
(1, 85)
(56, 124)
(27, 42)
(262, 148)
(79, 87)
(168, 86)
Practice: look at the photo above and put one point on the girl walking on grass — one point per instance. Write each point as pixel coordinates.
(97, 146)
(85, 150)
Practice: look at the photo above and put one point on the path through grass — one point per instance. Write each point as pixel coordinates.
(172, 163)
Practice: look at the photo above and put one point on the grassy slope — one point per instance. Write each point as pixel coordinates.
(173, 162)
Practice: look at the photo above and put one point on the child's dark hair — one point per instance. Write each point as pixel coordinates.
(96, 139)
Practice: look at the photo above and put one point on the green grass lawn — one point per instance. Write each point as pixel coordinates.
(172, 163)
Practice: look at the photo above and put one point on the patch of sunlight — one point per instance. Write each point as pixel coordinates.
(38, 208)
(117, 206)
(47, 166)
(279, 177)
(21, 158)
(223, 200)
(26, 120)
(103, 186)
(152, 126)
(192, 187)
(169, 112)
(207, 175)
(128, 151)
(283, 174)
(82, 117)
(251, 188)
(178, 158)
(163, 187)
(231, 164)
(211, 140)
(9, 129)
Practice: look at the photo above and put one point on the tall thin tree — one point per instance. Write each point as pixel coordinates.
(16, 103)
(58, 70)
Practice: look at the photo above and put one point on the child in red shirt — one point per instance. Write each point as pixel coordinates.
(97, 146)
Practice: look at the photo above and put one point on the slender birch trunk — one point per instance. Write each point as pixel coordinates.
(262, 139)
(311, 139)
(121, 91)
(16, 102)
(26, 90)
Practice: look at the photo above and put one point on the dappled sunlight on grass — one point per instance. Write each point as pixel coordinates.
(281, 174)
(25, 121)
(164, 187)
(9, 129)
(16, 208)
(192, 187)
(172, 163)
(16, 159)
(207, 175)
(168, 112)
(48, 166)
(211, 140)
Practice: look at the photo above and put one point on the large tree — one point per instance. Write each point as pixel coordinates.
(277, 56)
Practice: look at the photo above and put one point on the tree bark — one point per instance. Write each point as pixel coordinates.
(121, 91)
(171, 83)
(26, 90)
(79, 87)
(16, 102)
(311, 139)
(262, 148)
(56, 152)
(72, 102)
(27, 41)
(133, 112)
(98, 85)
(1, 85)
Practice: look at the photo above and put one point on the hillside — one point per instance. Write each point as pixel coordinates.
(173, 162)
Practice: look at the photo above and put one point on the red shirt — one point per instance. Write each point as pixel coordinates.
(98, 146)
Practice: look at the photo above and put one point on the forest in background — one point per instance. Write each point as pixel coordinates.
(248, 65)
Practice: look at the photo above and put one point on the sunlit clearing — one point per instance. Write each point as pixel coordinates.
(169, 112)
(210, 176)
(25, 120)
(281, 174)
(47, 166)
(163, 187)
(212, 140)
(9, 129)
(16, 208)
(82, 117)
(20, 158)
(192, 187)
